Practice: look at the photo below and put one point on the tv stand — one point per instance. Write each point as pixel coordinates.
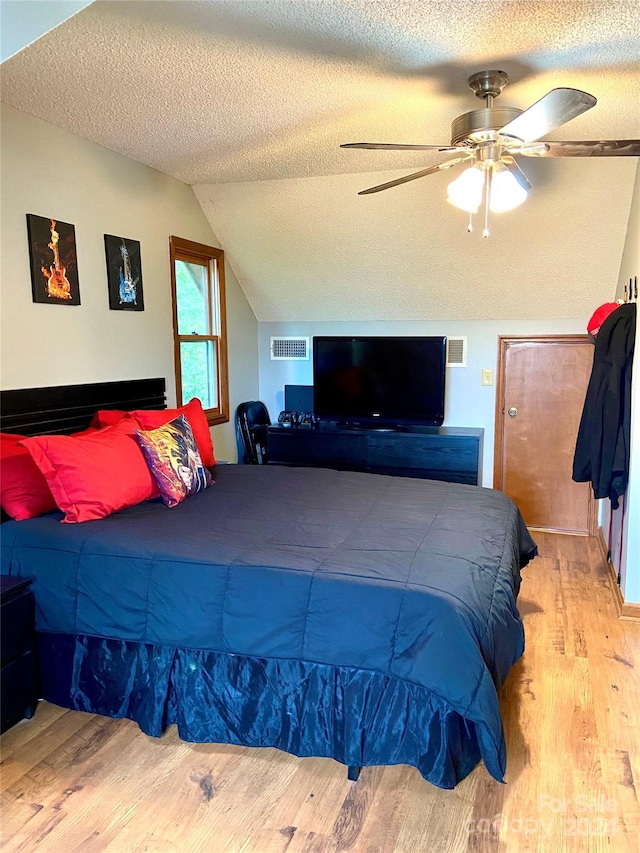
(437, 453)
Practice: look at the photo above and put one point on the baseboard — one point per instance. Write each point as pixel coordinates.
(626, 612)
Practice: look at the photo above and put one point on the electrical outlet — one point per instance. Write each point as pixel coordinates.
(487, 376)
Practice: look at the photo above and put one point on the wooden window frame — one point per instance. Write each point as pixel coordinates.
(187, 250)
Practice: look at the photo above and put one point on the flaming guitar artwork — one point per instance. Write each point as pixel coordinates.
(52, 248)
(57, 282)
(124, 273)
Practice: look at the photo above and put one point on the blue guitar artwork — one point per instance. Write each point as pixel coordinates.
(127, 291)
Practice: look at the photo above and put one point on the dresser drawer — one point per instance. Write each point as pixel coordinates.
(316, 448)
(433, 453)
(19, 695)
(17, 625)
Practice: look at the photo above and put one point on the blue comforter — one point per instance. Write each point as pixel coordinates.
(413, 579)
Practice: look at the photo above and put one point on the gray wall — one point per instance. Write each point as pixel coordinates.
(53, 173)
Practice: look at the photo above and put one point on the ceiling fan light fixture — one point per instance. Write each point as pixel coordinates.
(465, 192)
(493, 137)
(507, 192)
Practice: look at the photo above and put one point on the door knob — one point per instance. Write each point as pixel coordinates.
(513, 412)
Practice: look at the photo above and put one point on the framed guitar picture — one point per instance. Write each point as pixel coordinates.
(124, 273)
(54, 266)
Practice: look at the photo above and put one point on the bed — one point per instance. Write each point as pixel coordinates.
(366, 618)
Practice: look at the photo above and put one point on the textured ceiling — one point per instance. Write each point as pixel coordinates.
(406, 254)
(249, 102)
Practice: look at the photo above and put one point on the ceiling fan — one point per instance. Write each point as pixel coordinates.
(490, 139)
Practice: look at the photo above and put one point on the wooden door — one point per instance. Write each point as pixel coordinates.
(542, 382)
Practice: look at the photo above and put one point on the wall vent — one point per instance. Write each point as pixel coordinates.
(290, 349)
(457, 352)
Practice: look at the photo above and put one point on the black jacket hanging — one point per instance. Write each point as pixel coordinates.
(602, 446)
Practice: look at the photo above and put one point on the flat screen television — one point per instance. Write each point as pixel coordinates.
(369, 381)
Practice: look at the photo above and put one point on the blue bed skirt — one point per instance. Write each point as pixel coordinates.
(357, 717)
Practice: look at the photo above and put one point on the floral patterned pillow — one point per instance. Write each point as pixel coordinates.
(174, 460)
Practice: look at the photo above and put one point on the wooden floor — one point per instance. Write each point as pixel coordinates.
(75, 782)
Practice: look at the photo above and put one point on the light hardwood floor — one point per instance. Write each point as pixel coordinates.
(75, 782)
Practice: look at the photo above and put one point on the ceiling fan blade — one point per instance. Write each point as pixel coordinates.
(597, 148)
(556, 107)
(390, 146)
(517, 172)
(430, 171)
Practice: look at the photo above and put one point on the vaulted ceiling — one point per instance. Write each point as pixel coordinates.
(249, 100)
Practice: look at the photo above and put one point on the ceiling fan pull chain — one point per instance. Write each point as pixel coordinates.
(487, 199)
(470, 226)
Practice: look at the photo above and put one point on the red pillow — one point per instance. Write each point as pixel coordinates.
(154, 418)
(10, 437)
(108, 417)
(93, 475)
(13, 437)
(24, 492)
(90, 430)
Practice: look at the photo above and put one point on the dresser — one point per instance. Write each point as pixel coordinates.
(446, 453)
(18, 678)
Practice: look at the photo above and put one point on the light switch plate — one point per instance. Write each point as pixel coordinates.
(487, 376)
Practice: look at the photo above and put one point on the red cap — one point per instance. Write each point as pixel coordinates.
(599, 316)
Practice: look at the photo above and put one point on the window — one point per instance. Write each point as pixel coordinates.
(199, 326)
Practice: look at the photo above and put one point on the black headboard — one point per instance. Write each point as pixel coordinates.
(69, 408)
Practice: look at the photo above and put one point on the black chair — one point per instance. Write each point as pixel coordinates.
(252, 420)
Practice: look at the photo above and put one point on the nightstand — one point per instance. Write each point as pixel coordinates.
(17, 627)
